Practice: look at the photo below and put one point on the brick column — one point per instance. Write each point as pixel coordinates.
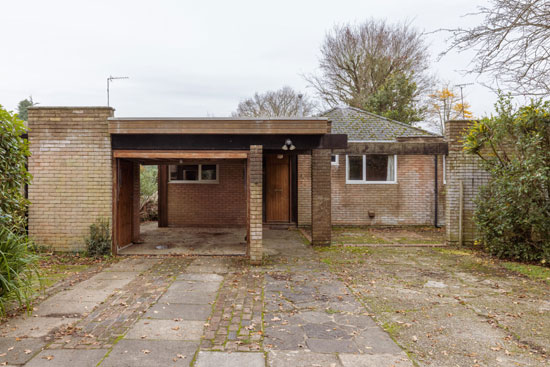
(461, 168)
(72, 174)
(255, 216)
(321, 222)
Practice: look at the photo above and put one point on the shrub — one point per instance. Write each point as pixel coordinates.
(13, 172)
(148, 193)
(513, 210)
(17, 269)
(99, 241)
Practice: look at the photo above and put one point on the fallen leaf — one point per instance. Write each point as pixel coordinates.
(145, 351)
(28, 351)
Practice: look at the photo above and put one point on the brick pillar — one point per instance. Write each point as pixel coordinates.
(255, 216)
(461, 168)
(72, 173)
(321, 222)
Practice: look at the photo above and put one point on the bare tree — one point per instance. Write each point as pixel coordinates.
(512, 45)
(356, 61)
(284, 102)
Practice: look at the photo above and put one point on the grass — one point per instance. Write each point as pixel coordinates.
(534, 272)
(359, 235)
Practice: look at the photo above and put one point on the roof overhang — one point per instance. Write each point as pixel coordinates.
(295, 126)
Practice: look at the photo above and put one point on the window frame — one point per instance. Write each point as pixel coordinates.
(200, 180)
(364, 181)
(337, 163)
(444, 169)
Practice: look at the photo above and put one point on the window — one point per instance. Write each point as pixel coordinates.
(334, 159)
(198, 173)
(371, 168)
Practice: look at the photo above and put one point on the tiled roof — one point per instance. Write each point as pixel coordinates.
(362, 125)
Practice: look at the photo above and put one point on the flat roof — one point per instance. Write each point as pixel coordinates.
(218, 125)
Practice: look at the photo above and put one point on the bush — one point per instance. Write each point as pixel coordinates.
(148, 202)
(17, 269)
(99, 242)
(513, 210)
(13, 172)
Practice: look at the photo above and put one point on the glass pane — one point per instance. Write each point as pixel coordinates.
(334, 158)
(208, 172)
(173, 169)
(189, 172)
(377, 168)
(355, 169)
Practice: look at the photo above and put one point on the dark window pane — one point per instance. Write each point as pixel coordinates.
(189, 172)
(208, 172)
(173, 172)
(355, 169)
(377, 167)
(334, 158)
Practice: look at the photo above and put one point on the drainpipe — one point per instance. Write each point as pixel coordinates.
(436, 193)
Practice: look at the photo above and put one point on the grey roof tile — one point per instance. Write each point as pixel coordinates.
(359, 124)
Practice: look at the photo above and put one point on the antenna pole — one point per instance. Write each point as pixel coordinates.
(109, 80)
(461, 86)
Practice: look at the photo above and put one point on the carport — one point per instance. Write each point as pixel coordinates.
(211, 176)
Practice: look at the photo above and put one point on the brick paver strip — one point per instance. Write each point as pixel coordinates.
(236, 320)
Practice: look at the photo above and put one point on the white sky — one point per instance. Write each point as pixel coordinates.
(192, 58)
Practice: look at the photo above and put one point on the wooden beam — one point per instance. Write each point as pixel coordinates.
(180, 154)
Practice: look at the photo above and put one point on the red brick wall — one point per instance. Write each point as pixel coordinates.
(409, 202)
(221, 204)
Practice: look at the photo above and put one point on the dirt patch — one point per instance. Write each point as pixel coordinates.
(450, 308)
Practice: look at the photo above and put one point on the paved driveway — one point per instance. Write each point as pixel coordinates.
(204, 311)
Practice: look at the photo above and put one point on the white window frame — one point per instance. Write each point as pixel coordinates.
(200, 180)
(364, 180)
(337, 160)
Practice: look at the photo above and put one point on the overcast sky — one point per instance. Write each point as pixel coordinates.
(193, 58)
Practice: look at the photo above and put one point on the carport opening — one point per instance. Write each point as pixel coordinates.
(187, 207)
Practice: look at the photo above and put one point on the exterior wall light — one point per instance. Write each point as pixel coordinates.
(288, 145)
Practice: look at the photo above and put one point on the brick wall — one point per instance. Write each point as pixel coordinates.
(72, 173)
(409, 202)
(463, 168)
(321, 224)
(255, 216)
(304, 190)
(221, 204)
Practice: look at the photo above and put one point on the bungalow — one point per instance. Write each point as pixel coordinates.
(228, 172)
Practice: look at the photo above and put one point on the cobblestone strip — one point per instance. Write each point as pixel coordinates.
(236, 323)
(112, 319)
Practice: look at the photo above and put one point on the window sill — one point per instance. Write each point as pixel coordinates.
(371, 182)
(194, 182)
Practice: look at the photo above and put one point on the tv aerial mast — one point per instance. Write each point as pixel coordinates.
(109, 80)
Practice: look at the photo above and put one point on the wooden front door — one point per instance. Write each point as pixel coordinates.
(277, 187)
(124, 202)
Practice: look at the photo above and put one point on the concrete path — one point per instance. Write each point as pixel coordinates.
(204, 311)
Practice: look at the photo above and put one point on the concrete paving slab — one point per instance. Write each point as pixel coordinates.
(55, 307)
(179, 310)
(19, 351)
(34, 327)
(376, 341)
(201, 277)
(67, 358)
(191, 298)
(331, 346)
(136, 264)
(198, 268)
(224, 359)
(93, 289)
(147, 353)
(190, 286)
(116, 275)
(375, 360)
(150, 329)
(301, 358)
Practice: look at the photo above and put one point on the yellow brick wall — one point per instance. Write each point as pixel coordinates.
(72, 173)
